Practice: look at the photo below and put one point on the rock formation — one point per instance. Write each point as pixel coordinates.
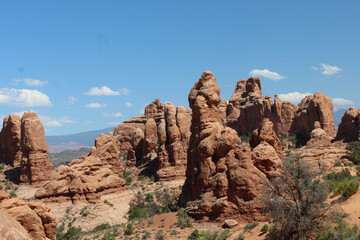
(82, 180)
(154, 109)
(173, 137)
(319, 136)
(10, 139)
(349, 128)
(34, 217)
(106, 150)
(313, 108)
(247, 108)
(221, 178)
(35, 166)
(267, 134)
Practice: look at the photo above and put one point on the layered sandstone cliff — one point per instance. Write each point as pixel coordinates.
(349, 128)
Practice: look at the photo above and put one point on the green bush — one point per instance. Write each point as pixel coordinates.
(101, 227)
(13, 194)
(246, 137)
(143, 207)
(183, 221)
(127, 177)
(265, 228)
(207, 235)
(129, 229)
(224, 234)
(71, 234)
(241, 237)
(195, 235)
(341, 231)
(108, 236)
(337, 164)
(343, 183)
(250, 226)
(159, 235)
(354, 148)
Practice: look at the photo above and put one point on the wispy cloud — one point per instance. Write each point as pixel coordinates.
(95, 105)
(266, 74)
(125, 91)
(128, 104)
(31, 82)
(327, 69)
(142, 111)
(294, 97)
(341, 103)
(102, 91)
(54, 122)
(112, 115)
(23, 98)
(72, 100)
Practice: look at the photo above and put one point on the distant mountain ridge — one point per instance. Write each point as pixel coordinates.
(75, 141)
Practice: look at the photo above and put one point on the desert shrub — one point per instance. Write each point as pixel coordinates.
(83, 212)
(159, 235)
(13, 193)
(341, 231)
(1, 187)
(343, 183)
(354, 148)
(174, 232)
(142, 207)
(250, 226)
(224, 234)
(101, 227)
(295, 201)
(141, 178)
(2, 165)
(337, 164)
(108, 203)
(195, 235)
(241, 237)
(108, 236)
(205, 235)
(245, 137)
(265, 228)
(129, 229)
(127, 177)
(183, 221)
(71, 234)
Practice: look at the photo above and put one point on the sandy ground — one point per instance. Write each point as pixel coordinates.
(352, 207)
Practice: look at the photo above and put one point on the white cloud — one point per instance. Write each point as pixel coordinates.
(23, 98)
(53, 122)
(327, 69)
(330, 70)
(294, 97)
(128, 104)
(266, 74)
(32, 82)
(113, 123)
(95, 105)
(103, 91)
(142, 111)
(72, 100)
(341, 103)
(112, 115)
(125, 91)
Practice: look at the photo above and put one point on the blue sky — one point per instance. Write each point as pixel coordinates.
(85, 65)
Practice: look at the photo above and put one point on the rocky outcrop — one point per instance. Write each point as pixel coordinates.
(12, 229)
(221, 178)
(10, 139)
(349, 128)
(34, 217)
(267, 134)
(35, 166)
(319, 136)
(173, 137)
(154, 109)
(266, 159)
(247, 108)
(313, 108)
(82, 180)
(106, 150)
